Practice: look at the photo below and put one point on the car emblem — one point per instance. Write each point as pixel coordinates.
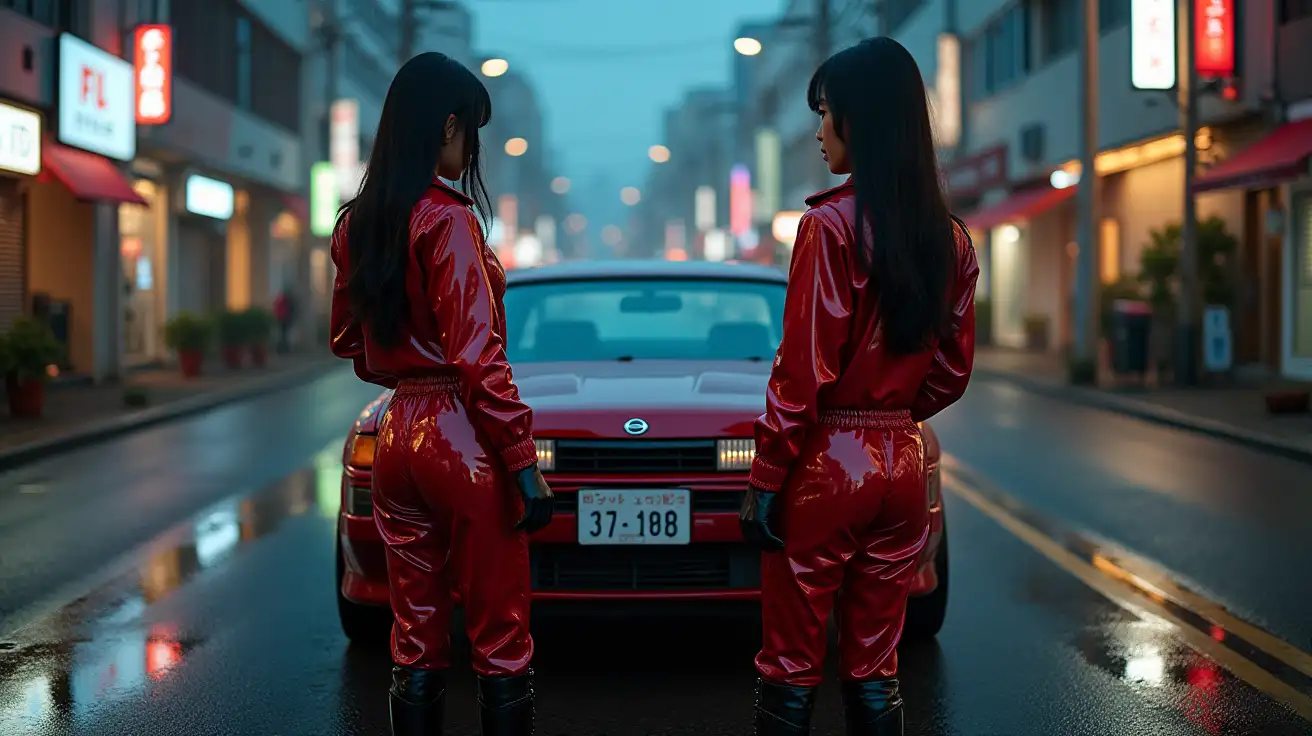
(635, 426)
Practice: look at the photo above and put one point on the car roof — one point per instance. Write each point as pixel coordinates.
(628, 268)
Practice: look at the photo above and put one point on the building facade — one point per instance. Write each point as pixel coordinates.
(135, 207)
(1004, 83)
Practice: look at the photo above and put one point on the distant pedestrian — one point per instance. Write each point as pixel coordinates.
(417, 306)
(284, 313)
(878, 335)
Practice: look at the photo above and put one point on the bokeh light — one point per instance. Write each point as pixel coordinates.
(516, 146)
(747, 46)
(658, 153)
(630, 195)
(560, 185)
(611, 235)
(495, 67)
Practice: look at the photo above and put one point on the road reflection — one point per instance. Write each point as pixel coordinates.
(102, 649)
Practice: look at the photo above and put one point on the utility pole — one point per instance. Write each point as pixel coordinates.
(1085, 327)
(1186, 336)
(822, 51)
(409, 18)
(331, 34)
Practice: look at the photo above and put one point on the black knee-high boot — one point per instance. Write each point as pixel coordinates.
(506, 705)
(783, 710)
(417, 701)
(874, 708)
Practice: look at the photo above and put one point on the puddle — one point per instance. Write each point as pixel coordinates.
(100, 649)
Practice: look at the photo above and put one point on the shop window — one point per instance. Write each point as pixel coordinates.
(898, 12)
(1061, 27)
(1302, 280)
(54, 13)
(244, 63)
(1113, 14)
(1110, 245)
(999, 55)
(1292, 10)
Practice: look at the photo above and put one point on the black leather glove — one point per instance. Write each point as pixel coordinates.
(539, 501)
(754, 520)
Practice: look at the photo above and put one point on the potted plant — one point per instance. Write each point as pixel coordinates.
(983, 321)
(188, 334)
(231, 328)
(1036, 331)
(27, 353)
(259, 327)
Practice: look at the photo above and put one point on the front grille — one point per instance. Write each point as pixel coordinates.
(703, 502)
(635, 456)
(619, 568)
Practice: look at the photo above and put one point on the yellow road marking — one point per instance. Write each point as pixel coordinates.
(1138, 599)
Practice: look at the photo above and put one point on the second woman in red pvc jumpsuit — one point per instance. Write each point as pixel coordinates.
(878, 335)
(417, 307)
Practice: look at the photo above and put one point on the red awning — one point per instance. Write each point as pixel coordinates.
(1280, 156)
(89, 177)
(296, 204)
(1022, 205)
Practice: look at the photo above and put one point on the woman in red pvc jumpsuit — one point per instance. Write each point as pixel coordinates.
(417, 306)
(878, 335)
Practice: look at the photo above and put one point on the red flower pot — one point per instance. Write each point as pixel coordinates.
(259, 355)
(26, 398)
(191, 361)
(233, 356)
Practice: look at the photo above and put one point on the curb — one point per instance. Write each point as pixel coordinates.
(27, 453)
(1153, 413)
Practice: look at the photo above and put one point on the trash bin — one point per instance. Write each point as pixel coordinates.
(1132, 323)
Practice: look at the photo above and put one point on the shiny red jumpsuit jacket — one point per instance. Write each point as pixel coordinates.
(454, 430)
(840, 442)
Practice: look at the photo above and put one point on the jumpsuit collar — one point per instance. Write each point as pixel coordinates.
(456, 194)
(819, 197)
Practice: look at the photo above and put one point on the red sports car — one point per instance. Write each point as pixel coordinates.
(645, 378)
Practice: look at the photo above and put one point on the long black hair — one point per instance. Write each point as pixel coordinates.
(425, 92)
(877, 100)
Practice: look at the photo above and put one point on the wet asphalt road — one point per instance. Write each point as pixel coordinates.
(192, 591)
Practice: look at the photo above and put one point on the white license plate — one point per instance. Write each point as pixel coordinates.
(634, 517)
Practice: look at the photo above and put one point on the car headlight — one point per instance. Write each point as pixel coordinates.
(362, 451)
(734, 454)
(546, 454)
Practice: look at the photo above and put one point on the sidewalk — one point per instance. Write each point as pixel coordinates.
(1235, 413)
(79, 414)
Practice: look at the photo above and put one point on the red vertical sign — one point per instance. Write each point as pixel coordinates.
(1214, 36)
(153, 73)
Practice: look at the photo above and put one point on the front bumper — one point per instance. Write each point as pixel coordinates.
(714, 567)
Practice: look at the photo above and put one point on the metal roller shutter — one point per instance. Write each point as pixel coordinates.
(13, 261)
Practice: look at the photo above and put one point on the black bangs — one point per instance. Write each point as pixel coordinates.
(815, 92)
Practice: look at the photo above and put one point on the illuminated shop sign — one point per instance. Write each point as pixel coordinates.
(1152, 44)
(209, 197)
(153, 70)
(324, 199)
(1214, 36)
(20, 140)
(96, 100)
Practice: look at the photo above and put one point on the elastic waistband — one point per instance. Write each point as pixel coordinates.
(427, 385)
(867, 419)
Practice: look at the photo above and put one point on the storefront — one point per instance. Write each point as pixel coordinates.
(143, 248)
(73, 266)
(20, 159)
(204, 234)
(1275, 172)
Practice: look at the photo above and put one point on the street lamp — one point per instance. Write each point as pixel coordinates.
(560, 185)
(516, 147)
(630, 196)
(747, 46)
(658, 153)
(495, 67)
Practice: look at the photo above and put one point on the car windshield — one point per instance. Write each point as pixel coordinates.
(634, 319)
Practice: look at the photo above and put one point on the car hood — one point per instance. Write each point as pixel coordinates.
(661, 384)
(596, 399)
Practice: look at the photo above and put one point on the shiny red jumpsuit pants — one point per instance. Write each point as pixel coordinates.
(854, 518)
(446, 510)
